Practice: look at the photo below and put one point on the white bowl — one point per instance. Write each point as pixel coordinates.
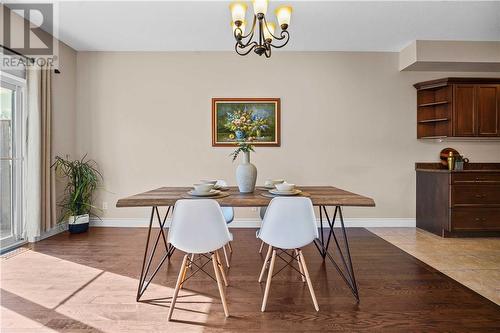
(285, 187)
(203, 188)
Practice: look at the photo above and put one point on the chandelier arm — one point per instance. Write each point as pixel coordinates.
(241, 37)
(242, 44)
(253, 28)
(284, 36)
(274, 37)
(244, 50)
(267, 53)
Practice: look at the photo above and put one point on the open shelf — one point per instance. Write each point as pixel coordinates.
(432, 120)
(433, 103)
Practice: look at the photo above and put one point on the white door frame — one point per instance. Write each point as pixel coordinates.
(18, 121)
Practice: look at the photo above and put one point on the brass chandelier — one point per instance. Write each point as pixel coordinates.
(263, 29)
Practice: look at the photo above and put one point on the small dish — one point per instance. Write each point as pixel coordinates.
(286, 193)
(284, 187)
(211, 193)
(203, 188)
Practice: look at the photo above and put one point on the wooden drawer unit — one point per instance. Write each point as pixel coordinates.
(459, 203)
(475, 195)
(475, 219)
(486, 178)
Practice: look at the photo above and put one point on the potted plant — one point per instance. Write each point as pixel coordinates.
(83, 179)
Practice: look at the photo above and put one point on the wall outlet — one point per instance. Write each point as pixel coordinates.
(254, 209)
(104, 205)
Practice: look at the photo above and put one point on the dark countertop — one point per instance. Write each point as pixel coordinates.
(468, 167)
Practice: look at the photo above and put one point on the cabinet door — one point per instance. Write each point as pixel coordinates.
(487, 110)
(464, 110)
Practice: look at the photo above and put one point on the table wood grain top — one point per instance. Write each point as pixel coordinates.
(320, 196)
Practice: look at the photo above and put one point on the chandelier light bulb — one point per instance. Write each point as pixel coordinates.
(268, 33)
(238, 11)
(260, 6)
(283, 14)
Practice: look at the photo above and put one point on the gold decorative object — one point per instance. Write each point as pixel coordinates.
(451, 161)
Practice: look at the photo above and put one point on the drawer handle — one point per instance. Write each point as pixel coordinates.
(479, 196)
(478, 219)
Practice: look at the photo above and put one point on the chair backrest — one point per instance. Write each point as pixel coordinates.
(262, 212)
(228, 212)
(289, 223)
(198, 226)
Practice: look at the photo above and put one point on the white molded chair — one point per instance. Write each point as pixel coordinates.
(198, 227)
(289, 224)
(262, 213)
(228, 213)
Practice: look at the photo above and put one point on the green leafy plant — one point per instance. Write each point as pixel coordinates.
(243, 146)
(83, 179)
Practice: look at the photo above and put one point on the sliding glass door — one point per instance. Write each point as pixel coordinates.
(11, 156)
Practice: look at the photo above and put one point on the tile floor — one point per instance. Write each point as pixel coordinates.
(474, 262)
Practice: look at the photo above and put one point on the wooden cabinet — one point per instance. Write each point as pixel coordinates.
(464, 110)
(488, 114)
(459, 203)
(458, 107)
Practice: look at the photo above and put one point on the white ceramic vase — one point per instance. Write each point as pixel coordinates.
(246, 175)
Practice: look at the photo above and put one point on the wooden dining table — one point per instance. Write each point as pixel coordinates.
(321, 196)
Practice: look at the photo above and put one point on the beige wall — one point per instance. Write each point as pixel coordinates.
(64, 110)
(64, 103)
(469, 56)
(348, 119)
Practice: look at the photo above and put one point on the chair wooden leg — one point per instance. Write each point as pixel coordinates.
(219, 284)
(308, 279)
(230, 247)
(219, 264)
(268, 282)
(225, 256)
(261, 246)
(264, 265)
(186, 267)
(191, 259)
(177, 287)
(300, 265)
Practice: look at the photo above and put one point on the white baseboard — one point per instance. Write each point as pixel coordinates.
(54, 231)
(255, 223)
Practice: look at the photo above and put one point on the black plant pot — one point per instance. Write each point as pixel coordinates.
(78, 228)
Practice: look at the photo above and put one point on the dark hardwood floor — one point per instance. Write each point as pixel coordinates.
(398, 292)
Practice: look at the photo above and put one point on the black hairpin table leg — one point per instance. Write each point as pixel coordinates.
(348, 273)
(144, 281)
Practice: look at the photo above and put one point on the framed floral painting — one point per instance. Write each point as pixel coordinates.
(255, 120)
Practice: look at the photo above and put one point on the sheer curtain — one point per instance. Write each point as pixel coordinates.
(39, 185)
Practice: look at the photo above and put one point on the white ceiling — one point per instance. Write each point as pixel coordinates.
(315, 25)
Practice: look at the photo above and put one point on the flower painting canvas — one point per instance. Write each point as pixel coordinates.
(255, 120)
